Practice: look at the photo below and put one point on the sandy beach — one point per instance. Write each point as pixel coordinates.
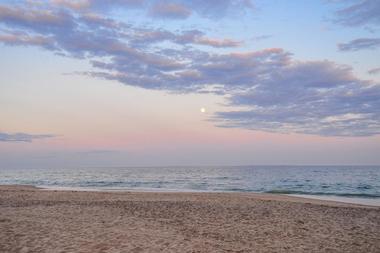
(35, 220)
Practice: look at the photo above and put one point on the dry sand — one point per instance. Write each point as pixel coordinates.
(34, 220)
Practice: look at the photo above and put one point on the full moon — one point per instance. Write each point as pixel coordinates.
(203, 110)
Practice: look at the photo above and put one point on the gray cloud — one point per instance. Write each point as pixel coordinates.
(219, 8)
(77, 5)
(266, 90)
(195, 37)
(374, 71)
(99, 5)
(89, 33)
(44, 21)
(175, 9)
(169, 10)
(359, 13)
(198, 37)
(360, 44)
(307, 97)
(276, 92)
(22, 38)
(23, 137)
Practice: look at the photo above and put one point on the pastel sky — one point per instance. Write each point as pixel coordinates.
(123, 82)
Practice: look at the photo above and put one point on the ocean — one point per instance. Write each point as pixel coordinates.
(356, 184)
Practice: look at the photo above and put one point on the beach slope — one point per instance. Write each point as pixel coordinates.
(35, 220)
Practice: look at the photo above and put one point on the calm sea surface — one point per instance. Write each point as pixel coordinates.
(344, 181)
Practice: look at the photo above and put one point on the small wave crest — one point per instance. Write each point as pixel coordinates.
(352, 195)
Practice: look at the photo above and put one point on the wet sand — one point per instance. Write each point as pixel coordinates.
(35, 220)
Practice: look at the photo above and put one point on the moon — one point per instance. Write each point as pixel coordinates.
(203, 110)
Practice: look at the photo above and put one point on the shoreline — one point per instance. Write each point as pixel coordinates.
(373, 202)
(37, 220)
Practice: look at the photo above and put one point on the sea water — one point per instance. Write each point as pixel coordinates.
(325, 182)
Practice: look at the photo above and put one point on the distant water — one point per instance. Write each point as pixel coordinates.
(342, 181)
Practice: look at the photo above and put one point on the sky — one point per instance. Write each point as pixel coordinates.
(175, 82)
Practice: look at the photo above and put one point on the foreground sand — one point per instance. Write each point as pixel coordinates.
(33, 220)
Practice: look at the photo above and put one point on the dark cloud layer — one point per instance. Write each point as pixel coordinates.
(360, 44)
(266, 90)
(23, 137)
(359, 13)
(308, 97)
